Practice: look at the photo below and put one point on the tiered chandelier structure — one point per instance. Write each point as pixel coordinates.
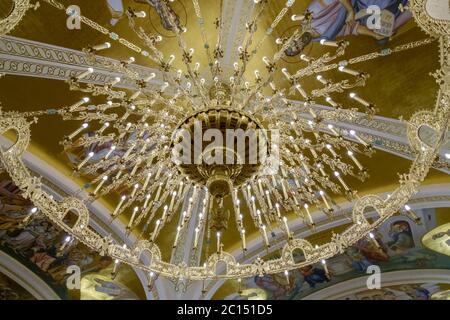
(304, 167)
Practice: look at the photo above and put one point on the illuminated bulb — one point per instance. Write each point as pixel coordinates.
(349, 71)
(85, 74)
(140, 14)
(150, 77)
(73, 134)
(297, 17)
(102, 46)
(115, 81)
(130, 60)
(326, 42)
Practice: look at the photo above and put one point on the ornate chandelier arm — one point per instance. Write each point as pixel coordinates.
(378, 54)
(201, 23)
(243, 51)
(271, 68)
(314, 65)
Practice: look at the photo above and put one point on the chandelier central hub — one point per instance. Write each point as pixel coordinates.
(219, 148)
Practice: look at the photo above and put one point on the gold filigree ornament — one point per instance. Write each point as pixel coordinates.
(241, 93)
(20, 8)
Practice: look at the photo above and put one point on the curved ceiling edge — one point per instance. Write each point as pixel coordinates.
(393, 278)
(432, 196)
(26, 278)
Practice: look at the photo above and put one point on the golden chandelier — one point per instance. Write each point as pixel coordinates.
(305, 165)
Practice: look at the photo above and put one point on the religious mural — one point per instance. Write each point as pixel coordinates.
(400, 292)
(394, 249)
(335, 19)
(11, 290)
(42, 247)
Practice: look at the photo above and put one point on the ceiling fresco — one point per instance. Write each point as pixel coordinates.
(397, 246)
(48, 252)
(11, 290)
(424, 291)
(399, 85)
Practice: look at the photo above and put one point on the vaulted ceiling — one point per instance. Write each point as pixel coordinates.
(399, 84)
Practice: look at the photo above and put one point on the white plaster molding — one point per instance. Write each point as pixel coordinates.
(116, 228)
(394, 278)
(26, 278)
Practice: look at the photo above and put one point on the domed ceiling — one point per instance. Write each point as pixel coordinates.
(40, 52)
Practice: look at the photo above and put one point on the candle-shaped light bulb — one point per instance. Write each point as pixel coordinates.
(119, 205)
(331, 102)
(349, 71)
(266, 239)
(244, 245)
(331, 128)
(133, 216)
(373, 240)
(218, 242)
(164, 86)
(321, 79)
(359, 99)
(140, 14)
(172, 201)
(277, 207)
(102, 46)
(155, 231)
(269, 201)
(325, 267)
(286, 227)
(358, 164)
(115, 81)
(308, 214)
(412, 214)
(301, 91)
(305, 58)
(171, 59)
(324, 199)
(353, 133)
(297, 17)
(286, 73)
(266, 61)
(85, 74)
(90, 155)
(175, 243)
(73, 134)
(110, 151)
(338, 176)
(130, 60)
(326, 42)
(197, 231)
(103, 180)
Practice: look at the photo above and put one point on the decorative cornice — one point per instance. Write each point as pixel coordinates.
(35, 59)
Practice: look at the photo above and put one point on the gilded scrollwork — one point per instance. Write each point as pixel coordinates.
(20, 7)
(437, 120)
